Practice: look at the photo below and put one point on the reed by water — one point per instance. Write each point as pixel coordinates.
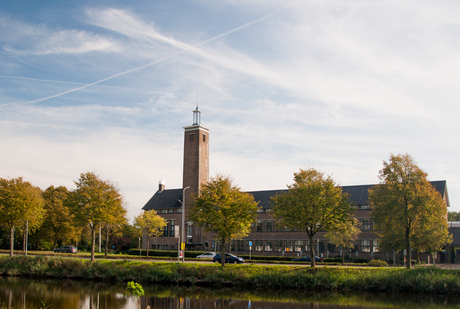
(254, 277)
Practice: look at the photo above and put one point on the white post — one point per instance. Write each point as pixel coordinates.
(140, 253)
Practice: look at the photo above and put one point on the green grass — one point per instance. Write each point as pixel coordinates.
(426, 280)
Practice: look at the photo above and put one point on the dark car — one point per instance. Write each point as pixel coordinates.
(66, 249)
(229, 258)
(306, 258)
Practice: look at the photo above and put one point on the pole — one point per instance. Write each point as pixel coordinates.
(140, 253)
(183, 224)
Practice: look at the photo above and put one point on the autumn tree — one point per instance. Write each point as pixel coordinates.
(58, 225)
(313, 203)
(344, 234)
(406, 206)
(453, 216)
(94, 202)
(19, 202)
(222, 208)
(150, 224)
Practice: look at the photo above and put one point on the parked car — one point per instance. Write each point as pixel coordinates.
(229, 258)
(66, 249)
(306, 258)
(207, 255)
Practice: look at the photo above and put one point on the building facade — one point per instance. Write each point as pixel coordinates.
(267, 238)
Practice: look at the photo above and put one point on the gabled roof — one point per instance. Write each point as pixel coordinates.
(357, 195)
(165, 199)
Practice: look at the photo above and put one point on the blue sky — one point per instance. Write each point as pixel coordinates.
(106, 86)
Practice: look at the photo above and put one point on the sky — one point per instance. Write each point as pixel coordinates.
(107, 87)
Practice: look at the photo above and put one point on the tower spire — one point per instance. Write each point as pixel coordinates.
(196, 116)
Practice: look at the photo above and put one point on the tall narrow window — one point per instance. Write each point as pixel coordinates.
(191, 137)
(204, 138)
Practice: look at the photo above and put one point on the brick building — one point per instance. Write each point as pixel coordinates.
(266, 237)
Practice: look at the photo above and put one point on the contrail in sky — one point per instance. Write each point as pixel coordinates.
(163, 59)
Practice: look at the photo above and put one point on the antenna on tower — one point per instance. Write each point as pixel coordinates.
(197, 99)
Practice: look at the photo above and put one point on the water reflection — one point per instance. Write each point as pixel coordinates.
(18, 293)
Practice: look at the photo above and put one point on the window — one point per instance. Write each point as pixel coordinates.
(259, 226)
(259, 245)
(289, 245)
(365, 224)
(278, 245)
(162, 211)
(165, 231)
(191, 137)
(204, 138)
(240, 245)
(189, 230)
(375, 245)
(268, 245)
(321, 246)
(331, 247)
(279, 228)
(268, 226)
(268, 210)
(365, 207)
(298, 245)
(260, 210)
(365, 245)
(179, 210)
(170, 210)
(307, 245)
(172, 228)
(354, 207)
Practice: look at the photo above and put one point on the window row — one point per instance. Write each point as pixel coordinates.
(268, 226)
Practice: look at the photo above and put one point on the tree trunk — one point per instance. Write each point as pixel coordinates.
(312, 251)
(106, 239)
(343, 255)
(408, 256)
(222, 252)
(11, 240)
(24, 244)
(93, 241)
(148, 244)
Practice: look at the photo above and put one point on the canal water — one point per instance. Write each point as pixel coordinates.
(18, 293)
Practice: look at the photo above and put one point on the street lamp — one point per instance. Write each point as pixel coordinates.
(183, 223)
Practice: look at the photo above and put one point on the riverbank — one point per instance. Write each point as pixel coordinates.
(429, 280)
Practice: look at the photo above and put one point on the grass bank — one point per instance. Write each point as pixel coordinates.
(419, 280)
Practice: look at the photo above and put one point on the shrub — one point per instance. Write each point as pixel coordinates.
(377, 263)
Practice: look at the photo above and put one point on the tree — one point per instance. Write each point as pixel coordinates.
(453, 216)
(58, 225)
(150, 224)
(406, 206)
(94, 202)
(222, 208)
(19, 201)
(313, 203)
(344, 235)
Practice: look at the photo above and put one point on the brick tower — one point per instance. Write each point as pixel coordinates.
(195, 170)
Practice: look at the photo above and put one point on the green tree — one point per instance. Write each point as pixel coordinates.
(93, 203)
(313, 203)
(222, 208)
(19, 201)
(405, 206)
(453, 216)
(150, 224)
(344, 234)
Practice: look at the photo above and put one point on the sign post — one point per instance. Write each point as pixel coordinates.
(250, 246)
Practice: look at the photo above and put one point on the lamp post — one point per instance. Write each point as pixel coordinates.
(183, 223)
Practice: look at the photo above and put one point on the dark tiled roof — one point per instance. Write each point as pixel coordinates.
(357, 196)
(164, 199)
